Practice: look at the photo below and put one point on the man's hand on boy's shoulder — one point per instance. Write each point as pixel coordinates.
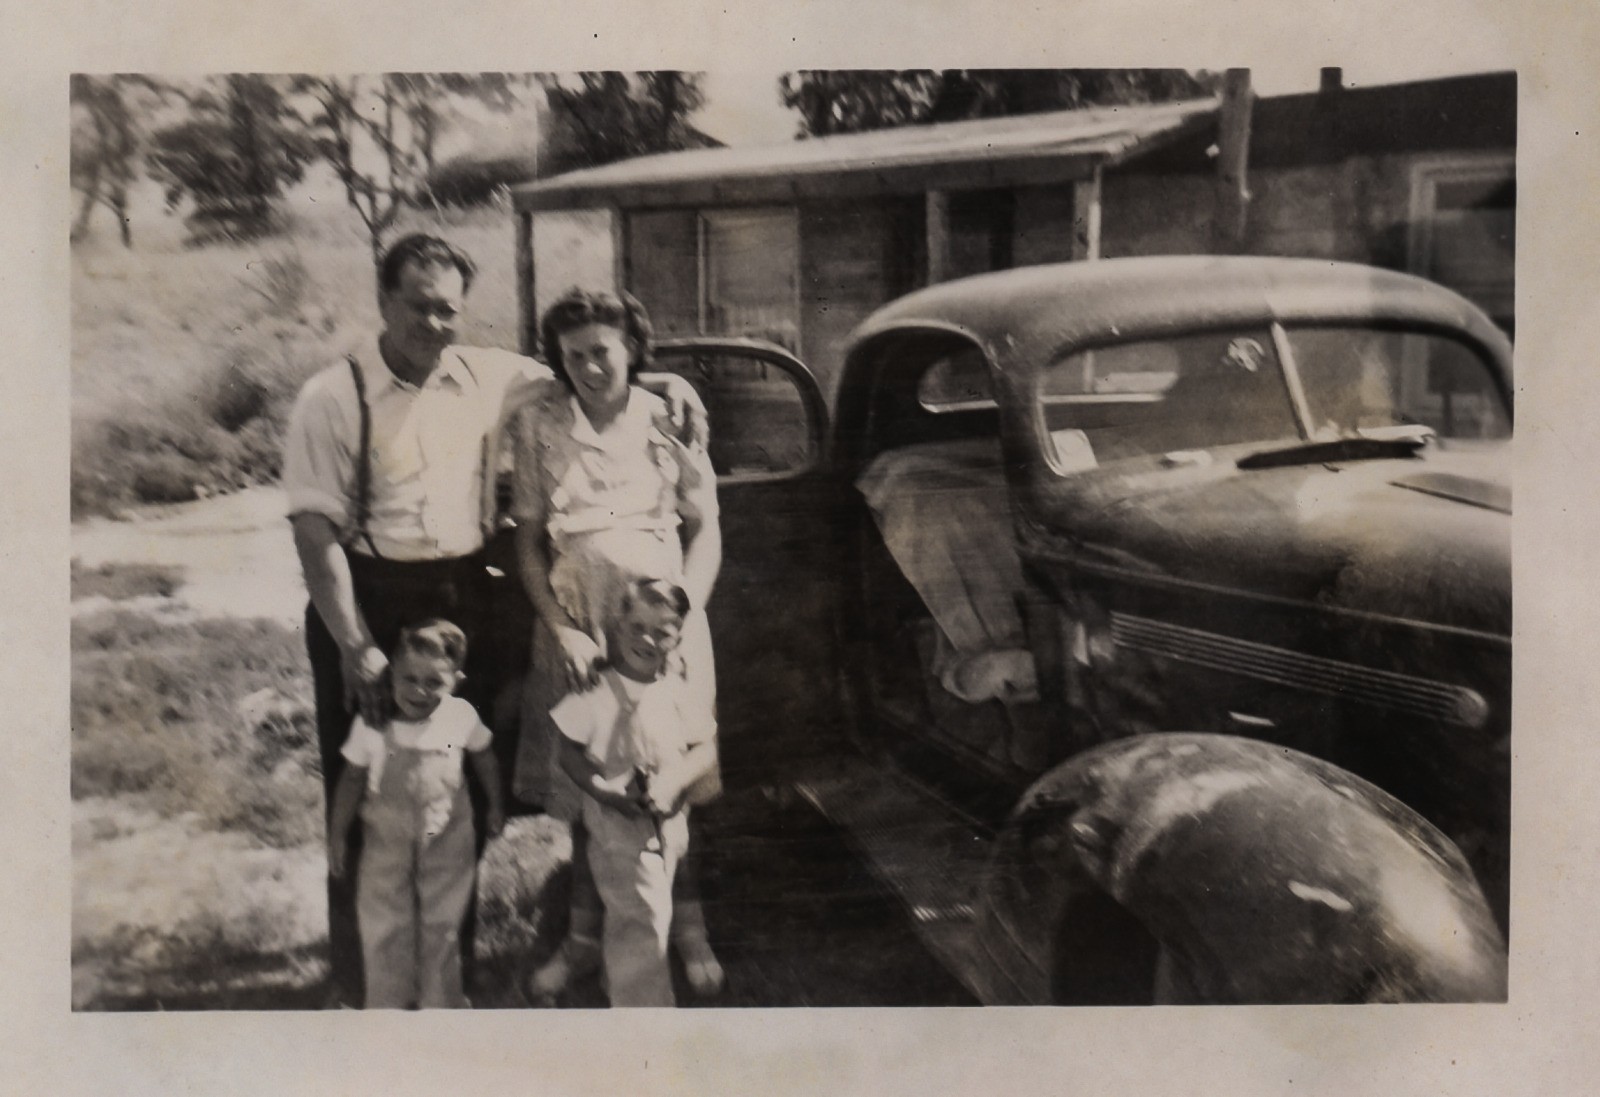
(366, 684)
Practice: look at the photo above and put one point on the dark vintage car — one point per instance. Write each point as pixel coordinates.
(1166, 608)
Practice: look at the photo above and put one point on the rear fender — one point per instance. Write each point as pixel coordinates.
(1220, 869)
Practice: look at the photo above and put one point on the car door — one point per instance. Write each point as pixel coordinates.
(773, 610)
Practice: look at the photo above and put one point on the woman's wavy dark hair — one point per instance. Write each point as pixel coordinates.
(578, 308)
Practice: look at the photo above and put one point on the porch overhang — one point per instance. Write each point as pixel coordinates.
(1022, 150)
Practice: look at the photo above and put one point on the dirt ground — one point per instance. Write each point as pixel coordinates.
(170, 914)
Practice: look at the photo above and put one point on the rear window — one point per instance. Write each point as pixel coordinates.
(961, 380)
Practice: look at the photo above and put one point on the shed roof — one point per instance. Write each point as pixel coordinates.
(1010, 151)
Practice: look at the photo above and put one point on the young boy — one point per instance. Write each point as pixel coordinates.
(418, 863)
(635, 744)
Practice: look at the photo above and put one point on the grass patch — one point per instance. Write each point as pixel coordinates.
(124, 582)
(210, 717)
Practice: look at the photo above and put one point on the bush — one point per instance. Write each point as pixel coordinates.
(164, 478)
(239, 391)
(474, 181)
(224, 434)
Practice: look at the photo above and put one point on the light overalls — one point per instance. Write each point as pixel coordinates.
(417, 872)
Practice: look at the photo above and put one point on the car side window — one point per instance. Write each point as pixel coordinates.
(760, 423)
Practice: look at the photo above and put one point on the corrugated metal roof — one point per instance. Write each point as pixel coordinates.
(990, 151)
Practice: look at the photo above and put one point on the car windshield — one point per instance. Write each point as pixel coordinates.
(1363, 382)
(1230, 387)
(1183, 393)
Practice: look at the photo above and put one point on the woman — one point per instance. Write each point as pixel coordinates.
(608, 488)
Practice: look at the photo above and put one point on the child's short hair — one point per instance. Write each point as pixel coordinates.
(435, 638)
(663, 592)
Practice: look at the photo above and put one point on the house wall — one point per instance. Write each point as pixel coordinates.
(662, 269)
(1043, 225)
(854, 257)
(1356, 210)
(857, 254)
(1359, 209)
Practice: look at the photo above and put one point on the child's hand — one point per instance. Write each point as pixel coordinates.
(336, 856)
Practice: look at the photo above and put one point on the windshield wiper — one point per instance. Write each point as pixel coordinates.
(1339, 449)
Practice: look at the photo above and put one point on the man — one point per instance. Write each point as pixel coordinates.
(389, 466)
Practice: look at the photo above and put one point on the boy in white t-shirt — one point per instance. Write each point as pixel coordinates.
(635, 744)
(418, 862)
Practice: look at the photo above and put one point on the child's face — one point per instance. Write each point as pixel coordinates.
(421, 682)
(648, 632)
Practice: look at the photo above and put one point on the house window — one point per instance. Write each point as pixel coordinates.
(1463, 229)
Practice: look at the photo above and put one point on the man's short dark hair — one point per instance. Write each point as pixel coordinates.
(435, 638)
(424, 250)
(578, 308)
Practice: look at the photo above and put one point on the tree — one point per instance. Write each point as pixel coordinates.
(106, 138)
(600, 117)
(232, 157)
(852, 101)
(380, 134)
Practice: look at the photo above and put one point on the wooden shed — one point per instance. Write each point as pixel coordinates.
(797, 243)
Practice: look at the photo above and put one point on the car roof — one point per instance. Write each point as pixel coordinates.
(1027, 317)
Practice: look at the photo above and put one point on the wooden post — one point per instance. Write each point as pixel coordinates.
(1086, 216)
(527, 306)
(619, 248)
(1233, 154)
(938, 235)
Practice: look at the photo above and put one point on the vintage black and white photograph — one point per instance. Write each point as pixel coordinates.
(847, 537)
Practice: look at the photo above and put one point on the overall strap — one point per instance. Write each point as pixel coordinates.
(363, 498)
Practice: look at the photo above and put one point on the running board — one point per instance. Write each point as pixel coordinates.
(929, 857)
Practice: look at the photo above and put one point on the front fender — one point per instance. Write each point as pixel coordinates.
(1220, 869)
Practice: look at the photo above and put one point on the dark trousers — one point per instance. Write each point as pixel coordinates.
(390, 595)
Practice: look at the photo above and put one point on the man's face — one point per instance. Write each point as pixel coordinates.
(421, 683)
(421, 313)
(649, 631)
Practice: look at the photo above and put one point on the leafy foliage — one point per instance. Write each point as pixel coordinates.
(380, 134)
(234, 154)
(852, 101)
(600, 117)
(106, 139)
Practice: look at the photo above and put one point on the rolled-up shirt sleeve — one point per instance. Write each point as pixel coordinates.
(318, 466)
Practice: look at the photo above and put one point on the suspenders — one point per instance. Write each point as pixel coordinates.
(363, 460)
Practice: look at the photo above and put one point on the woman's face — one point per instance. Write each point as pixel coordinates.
(596, 358)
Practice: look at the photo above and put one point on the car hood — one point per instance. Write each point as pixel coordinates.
(1425, 538)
